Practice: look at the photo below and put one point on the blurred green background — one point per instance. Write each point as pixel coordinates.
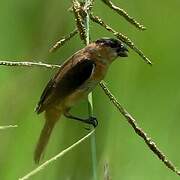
(151, 94)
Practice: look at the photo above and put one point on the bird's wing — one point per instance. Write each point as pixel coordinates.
(71, 76)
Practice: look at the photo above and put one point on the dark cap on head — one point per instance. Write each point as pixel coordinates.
(120, 48)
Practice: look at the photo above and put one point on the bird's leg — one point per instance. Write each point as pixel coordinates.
(91, 120)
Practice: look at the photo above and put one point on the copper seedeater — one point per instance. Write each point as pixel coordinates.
(75, 79)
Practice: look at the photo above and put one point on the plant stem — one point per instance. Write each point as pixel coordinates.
(53, 159)
(139, 131)
(7, 127)
(28, 63)
(90, 103)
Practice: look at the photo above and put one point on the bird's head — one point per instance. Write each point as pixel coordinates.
(111, 48)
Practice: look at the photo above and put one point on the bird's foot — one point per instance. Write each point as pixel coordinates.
(92, 120)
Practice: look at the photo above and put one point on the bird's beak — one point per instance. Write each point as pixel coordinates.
(122, 52)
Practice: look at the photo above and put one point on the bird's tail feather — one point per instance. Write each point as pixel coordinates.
(51, 116)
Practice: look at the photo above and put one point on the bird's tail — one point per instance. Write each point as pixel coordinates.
(51, 116)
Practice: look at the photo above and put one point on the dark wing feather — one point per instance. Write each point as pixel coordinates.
(75, 77)
(65, 82)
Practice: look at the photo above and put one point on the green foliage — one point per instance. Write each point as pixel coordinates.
(151, 94)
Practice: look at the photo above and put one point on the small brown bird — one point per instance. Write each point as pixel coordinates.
(75, 79)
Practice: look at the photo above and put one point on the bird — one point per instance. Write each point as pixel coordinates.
(74, 80)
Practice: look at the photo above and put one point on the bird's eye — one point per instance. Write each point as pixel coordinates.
(113, 44)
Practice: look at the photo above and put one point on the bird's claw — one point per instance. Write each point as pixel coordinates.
(93, 121)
